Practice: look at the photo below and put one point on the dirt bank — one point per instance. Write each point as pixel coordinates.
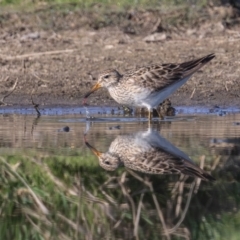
(57, 57)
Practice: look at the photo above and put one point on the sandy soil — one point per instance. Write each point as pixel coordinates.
(57, 57)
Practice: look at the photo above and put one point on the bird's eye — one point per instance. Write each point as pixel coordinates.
(107, 162)
(106, 76)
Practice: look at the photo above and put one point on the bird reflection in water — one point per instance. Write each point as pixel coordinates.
(150, 153)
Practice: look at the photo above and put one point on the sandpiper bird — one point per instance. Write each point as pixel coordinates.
(150, 153)
(148, 86)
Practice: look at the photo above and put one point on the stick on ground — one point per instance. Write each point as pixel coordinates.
(9, 93)
(35, 105)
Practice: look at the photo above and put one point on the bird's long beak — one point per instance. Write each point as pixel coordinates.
(95, 88)
(94, 150)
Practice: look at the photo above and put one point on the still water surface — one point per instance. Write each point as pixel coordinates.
(52, 186)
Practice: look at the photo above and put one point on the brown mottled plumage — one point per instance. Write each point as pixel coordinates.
(148, 86)
(148, 152)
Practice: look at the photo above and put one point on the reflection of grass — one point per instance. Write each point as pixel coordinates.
(35, 201)
(226, 226)
(40, 195)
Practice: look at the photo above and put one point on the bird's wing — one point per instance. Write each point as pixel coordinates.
(159, 161)
(158, 76)
(154, 139)
(154, 161)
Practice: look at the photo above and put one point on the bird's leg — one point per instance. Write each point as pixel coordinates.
(160, 115)
(149, 115)
(149, 118)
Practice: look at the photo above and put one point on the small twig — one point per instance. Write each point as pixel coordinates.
(38, 54)
(6, 78)
(108, 197)
(9, 93)
(159, 211)
(179, 199)
(36, 76)
(172, 230)
(117, 224)
(185, 236)
(83, 217)
(156, 26)
(217, 160)
(71, 223)
(79, 182)
(125, 193)
(135, 231)
(192, 93)
(35, 122)
(226, 87)
(202, 160)
(35, 105)
(182, 178)
(37, 228)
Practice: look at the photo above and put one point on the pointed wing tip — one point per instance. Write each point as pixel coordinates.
(208, 177)
(206, 59)
(211, 179)
(210, 57)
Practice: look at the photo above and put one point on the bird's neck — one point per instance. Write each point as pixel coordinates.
(116, 91)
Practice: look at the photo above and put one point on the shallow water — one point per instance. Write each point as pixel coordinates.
(52, 184)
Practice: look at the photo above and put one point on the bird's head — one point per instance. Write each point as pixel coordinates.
(106, 79)
(107, 160)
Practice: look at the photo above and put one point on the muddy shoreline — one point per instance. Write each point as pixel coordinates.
(59, 64)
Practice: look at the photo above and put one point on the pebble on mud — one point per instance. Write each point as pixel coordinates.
(64, 129)
(115, 127)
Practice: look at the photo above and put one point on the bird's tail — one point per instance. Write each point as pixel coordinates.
(192, 66)
(191, 169)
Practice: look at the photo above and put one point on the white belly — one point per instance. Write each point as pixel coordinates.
(139, 97)
(154, 99)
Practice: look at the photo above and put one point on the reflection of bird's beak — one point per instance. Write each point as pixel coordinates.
(95, 88)
(95, 151)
